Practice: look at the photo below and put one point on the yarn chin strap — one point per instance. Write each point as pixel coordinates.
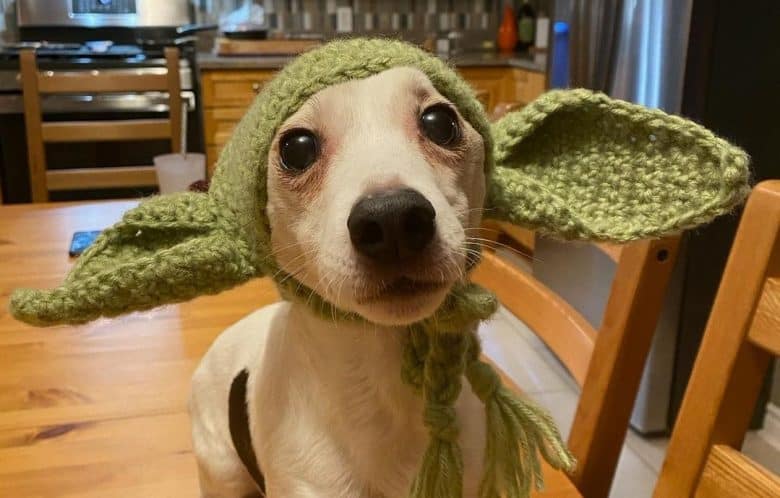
(439, 352)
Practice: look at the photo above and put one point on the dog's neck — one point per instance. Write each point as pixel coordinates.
(353, 357)
(346, 343)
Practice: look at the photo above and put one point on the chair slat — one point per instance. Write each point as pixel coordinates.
(616, 365)
(36, 154)
(765, 330)
(560, 326)
(729, 371)
(730, 474)
(173, 82)
(113, 177)
(103, 131)
(72, 82)
(35, 83)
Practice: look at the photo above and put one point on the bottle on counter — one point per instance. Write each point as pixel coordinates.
(542, 32)
(526, 26)
(507, 31)
(344, 18)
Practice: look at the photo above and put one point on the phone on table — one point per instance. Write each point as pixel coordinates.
(80, 242)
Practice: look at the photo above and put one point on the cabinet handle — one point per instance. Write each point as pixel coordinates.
(256, 87)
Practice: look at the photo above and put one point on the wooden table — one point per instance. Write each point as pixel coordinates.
(99, 410)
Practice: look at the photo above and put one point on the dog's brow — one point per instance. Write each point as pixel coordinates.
(420, 90)
(307, 119)
(315, 104)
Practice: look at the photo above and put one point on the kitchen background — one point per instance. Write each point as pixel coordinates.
(699, 58)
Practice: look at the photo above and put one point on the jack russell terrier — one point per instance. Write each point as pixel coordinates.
(374, 186)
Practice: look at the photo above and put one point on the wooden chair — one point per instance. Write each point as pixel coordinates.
(503, 108)
(35, 84)
(742, 335)
(606, 363)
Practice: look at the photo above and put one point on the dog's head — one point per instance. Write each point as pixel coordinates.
(374, 186)
(362, 171)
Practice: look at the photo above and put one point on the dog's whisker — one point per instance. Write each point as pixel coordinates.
(493, 245)
(291, 262)
(292, 274)
(278, 250)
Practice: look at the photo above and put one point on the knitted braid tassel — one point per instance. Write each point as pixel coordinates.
(517, 430)
(441, 472)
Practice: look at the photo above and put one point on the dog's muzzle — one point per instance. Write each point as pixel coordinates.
(392, 226)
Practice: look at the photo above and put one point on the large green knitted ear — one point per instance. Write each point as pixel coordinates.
(580, 165)
(169, 249)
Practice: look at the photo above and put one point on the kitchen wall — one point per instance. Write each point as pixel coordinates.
(475, 22)
(7, 21)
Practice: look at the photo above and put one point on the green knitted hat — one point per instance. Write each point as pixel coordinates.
(574, 164)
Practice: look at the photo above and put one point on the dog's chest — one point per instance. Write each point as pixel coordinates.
(378, 420)
(330, 408)
(345, 401)
(371, 413)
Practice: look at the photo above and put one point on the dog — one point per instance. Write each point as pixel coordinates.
(374, 186)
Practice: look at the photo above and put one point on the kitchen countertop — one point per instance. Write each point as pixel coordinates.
(537, 63)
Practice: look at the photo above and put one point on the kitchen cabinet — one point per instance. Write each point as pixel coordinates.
(505, 85)
(226, 95)
(228, 92)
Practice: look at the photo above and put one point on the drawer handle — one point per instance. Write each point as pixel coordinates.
(256, 87)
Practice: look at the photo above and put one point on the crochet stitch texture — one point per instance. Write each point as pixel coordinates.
(575, 164)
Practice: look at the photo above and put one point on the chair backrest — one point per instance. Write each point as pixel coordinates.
(36, 83)
(607, 363)
(742, 336)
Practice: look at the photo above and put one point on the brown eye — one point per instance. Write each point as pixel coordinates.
(440, 124)
(298, 150)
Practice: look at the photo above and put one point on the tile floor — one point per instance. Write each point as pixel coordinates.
(536, 370)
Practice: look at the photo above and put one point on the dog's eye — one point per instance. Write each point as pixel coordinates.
(298, 150)
(440, 124)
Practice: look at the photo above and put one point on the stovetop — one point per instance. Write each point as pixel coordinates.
(104, 55)
(74, 55)
(69, 50)
(9, 67)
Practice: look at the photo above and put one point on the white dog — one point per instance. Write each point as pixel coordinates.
(293, 405)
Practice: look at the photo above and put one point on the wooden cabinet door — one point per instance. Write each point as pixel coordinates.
(233, 88)
(505, 85)
(219, 123)
(226, 95)
(492, 80)
(527, 85)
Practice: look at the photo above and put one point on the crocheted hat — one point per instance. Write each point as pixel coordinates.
(574, 164)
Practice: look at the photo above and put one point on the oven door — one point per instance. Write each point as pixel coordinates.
(13, 147)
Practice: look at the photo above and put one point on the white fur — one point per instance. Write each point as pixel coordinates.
(329, 413)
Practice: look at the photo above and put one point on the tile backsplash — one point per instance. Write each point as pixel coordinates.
(8, 21)
(470, 23)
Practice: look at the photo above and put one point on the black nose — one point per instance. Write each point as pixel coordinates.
(391, 226)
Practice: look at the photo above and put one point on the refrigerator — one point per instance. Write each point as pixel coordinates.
(713, 61)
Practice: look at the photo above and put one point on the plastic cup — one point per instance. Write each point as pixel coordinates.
(176, 172)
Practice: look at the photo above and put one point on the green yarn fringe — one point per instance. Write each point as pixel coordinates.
(441, 472)
(517, 432)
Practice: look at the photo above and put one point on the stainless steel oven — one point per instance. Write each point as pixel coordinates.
(130, 36)
(103, 13)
